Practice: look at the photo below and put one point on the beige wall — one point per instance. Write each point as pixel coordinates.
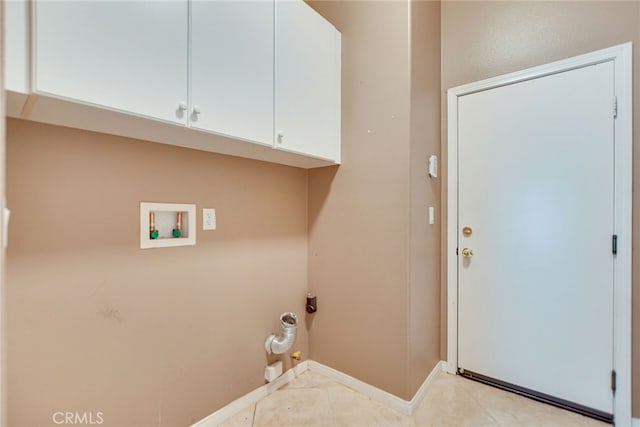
(148, 337)
(377, 282)
(485, 39)
(424, 293)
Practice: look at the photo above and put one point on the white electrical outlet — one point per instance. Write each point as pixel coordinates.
(208, 219)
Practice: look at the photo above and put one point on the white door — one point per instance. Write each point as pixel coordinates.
(114, 54)
(232, 68)
(536, 191)
(307, 82)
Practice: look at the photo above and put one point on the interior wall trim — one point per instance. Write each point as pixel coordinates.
(387, 399)
(228, 411)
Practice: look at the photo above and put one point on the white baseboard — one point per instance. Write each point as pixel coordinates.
(422, 391)
(387, 399)
(252, 397)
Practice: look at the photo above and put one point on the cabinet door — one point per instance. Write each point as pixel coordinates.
(307, 82)
(16, 63)
(123, 55)
(232, 68)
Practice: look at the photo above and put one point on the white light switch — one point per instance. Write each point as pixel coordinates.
(432, 215)
(433, 166)
(208, 219)
(7, 214)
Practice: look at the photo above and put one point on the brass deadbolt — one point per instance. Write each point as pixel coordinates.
(467, 231)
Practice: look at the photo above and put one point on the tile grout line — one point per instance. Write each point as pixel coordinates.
(332, 416)
(481, 406)
(253, 417)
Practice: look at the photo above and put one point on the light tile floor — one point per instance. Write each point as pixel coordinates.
(314, 400)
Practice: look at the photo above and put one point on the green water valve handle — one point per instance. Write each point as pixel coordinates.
(176, 233)
(153, 234)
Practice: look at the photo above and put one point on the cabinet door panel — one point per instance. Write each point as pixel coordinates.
(125, 55)
(307, 80)
(232, 68)
(16, 38)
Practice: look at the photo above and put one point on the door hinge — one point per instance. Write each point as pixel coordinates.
(613, 381)
(615, 107)
(614, 244)
(456, 251)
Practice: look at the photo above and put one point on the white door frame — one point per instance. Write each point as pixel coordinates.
(621, 55)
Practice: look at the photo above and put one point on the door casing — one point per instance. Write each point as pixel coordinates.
(622, 57)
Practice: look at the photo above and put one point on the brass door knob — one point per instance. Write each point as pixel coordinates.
(467, 252)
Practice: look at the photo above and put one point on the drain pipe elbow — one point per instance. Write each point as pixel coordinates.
(278, 344)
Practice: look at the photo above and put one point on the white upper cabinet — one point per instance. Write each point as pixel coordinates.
(17, 82)
(231, 54)
(307, 82)
(238, 77)
(16, 64)
(124, 55)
